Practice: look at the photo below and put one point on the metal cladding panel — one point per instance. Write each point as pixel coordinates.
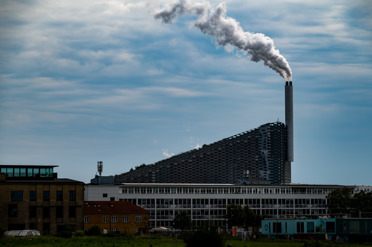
(289, 119)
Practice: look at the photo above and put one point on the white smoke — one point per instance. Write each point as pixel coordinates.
(227, 31)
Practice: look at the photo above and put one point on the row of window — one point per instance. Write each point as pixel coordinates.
(27, 172)
(18, 195)
(234, 190)
(114, 219)
(13, 211)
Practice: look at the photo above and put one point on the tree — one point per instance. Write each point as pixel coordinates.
(237, 215)
(234, 215)
(339, 202)
(182, 221)
(361, 203)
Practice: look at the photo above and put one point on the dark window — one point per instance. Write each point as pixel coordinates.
(46, 228)
(72, 195)
(59, 195)
(32, 212)
(112, 198)
(32, 226)
(59, 212)
(12, 210)
(310, 227)
(277, 227)
(46, 195)
(330, 226)
(32, 195)
(300, 227)
(72, 212)
(17, 196)
(46, 212)
(104, 195)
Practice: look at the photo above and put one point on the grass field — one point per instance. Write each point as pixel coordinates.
(48, 241)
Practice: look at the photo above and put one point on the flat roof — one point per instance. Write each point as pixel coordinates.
(28, 166)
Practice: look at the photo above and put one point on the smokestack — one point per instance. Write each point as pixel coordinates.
(289, 118)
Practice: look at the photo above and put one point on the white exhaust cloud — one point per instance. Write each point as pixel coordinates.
(227, 31)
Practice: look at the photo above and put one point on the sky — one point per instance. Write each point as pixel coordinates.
(87, 81)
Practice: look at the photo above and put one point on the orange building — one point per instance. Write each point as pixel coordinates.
(113, 216)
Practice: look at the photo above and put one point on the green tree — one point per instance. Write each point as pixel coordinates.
(182, 221)
(339, 202)
(234, 215)
(361, 203)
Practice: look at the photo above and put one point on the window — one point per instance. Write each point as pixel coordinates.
(46, 195)
(17, 196)
(32, 195)
(12, 210)
(330, 226)
(300, 227)
(59, 195)
(72, 212)
(104, 195)
(138, 218)
(114, 219)
(113, 229)
(59, 212)
(125, 219)
(310, 227)
(354, 227)
(112, 198)
(32, 212)
(105, 219)
(72, 195)
(86, 219)
(22, 172)
(46, 212)
(277, 227)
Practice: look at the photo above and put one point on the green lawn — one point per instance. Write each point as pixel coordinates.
(48, 241)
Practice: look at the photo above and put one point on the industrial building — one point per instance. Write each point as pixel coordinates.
(259, 156)
(32, 197)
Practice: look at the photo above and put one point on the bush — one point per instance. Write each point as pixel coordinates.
(94, 231)
(79, 233)
(1, 231)
(66, 231)
(204, 238)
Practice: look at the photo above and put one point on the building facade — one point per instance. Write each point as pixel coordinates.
(206, 203)
(116, 216)
(258, 156)
(32, 197)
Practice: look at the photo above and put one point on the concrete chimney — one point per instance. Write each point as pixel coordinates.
(289, 118)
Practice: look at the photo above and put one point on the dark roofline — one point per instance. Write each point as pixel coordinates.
(45, 181)
(28, 166)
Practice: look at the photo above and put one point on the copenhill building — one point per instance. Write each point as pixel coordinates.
(259, 156)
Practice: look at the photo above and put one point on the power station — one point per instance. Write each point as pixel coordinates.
(259, 156)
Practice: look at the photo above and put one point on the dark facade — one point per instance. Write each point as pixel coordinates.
(257, 156)
(32, 197)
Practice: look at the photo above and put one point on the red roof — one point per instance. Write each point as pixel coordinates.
(112, 207)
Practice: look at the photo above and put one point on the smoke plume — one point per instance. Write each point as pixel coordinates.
(226, 30)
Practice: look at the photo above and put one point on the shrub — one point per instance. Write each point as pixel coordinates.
(204, 238)
(79, 233)
(66, 231)
(94, 231)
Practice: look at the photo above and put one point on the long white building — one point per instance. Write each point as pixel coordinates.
(206, 203)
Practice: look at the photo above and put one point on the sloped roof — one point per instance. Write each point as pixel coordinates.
(112, 207)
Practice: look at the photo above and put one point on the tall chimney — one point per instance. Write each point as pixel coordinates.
(289, 118)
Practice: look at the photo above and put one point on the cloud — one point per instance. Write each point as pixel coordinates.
(167, 155)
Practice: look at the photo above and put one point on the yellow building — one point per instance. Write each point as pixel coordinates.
(113, 216)
(32, 197)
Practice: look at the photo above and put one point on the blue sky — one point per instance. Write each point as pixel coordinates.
(83, 81)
